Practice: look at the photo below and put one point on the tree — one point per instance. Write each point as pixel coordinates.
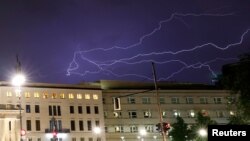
(180, 131)
(236, 78)
(202, 122)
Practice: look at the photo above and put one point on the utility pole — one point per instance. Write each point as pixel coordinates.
(158, 104)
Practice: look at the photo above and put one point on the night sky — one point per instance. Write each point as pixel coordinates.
(73, 41)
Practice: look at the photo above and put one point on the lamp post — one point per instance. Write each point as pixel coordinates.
(17, 81)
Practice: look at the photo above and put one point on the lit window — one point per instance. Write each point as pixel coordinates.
(9, 94)
(133, 129)
(191, 114)
(147, 114)
(87, 96)
(45, 95)
(164, 114)
(36, 94)
(62, 95)
(176, 113)
(71, 96)
(95, 96)
(27, 94)
(79, 96)
(231, 113)
(54, 95)
(119, 129)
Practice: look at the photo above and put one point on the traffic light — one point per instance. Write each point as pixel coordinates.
(166, 126)
(158, 127)
(117, 103)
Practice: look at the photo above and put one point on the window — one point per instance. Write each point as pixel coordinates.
(145, 100)
(28, 125)
(89, 125)
(8, 94)
(164, 114)
(147, 114)
(45, 95)
(149, 128)
(88, 109)
(189, 100)
(36, 95)
(162, 100)
(27, 94)
(71, 109)
(62, 96)
(119, 129)
(103, 101)
(50, 110)
(37, 109)
(9, 125)
(82, 139)
(96, 110)
(27, 108)
(203, 100)
(90, 139)
(79, 96)
(176, 113)
(79, 109)
(117, 114)
(38, 127)
(97, 123)
(133, 129)
(71, 96)
(217, 100)
(191, 114)
(95, 96)
(87, 96)
(73, 139)
(219, 114)
(81, 125)
(131, 100)
(72, 125)
(54, 95)
(54, 111)
(132, 114)
(59, 110)
(231, 100)
(175, 100)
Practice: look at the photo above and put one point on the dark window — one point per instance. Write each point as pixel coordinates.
(38, 128)
(89, 125)
(88, 109)
(97, 123)
(28, 124)
(80, 109)
(72, 125)
(9, 125)
(37, 109)
(59, 110)
(27, 108)
(54, 111)
(50, 110)
(81, 125)
(96, 110)
(71, 109)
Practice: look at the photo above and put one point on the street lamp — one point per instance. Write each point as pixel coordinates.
(202, 132)
(17, 81)
(97, 130)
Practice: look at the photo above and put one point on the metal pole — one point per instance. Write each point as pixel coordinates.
(20, 110)
(158, 104)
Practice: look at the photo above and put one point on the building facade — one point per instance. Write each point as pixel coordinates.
(138, 111)
(51, 112)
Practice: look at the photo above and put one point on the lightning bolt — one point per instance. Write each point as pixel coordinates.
(103, 66)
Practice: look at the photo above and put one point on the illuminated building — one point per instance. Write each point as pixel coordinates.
(51, 112)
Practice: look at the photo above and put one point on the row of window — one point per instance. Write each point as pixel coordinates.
(55, 110)
(57, 125)
(60, 139)
(55, 95)
(175, 113)
(175, 100)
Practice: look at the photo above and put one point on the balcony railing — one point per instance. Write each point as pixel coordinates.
(58, 131)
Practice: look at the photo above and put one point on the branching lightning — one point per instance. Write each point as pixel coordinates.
(103, 67)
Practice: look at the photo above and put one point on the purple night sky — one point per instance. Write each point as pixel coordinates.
(72, 41)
